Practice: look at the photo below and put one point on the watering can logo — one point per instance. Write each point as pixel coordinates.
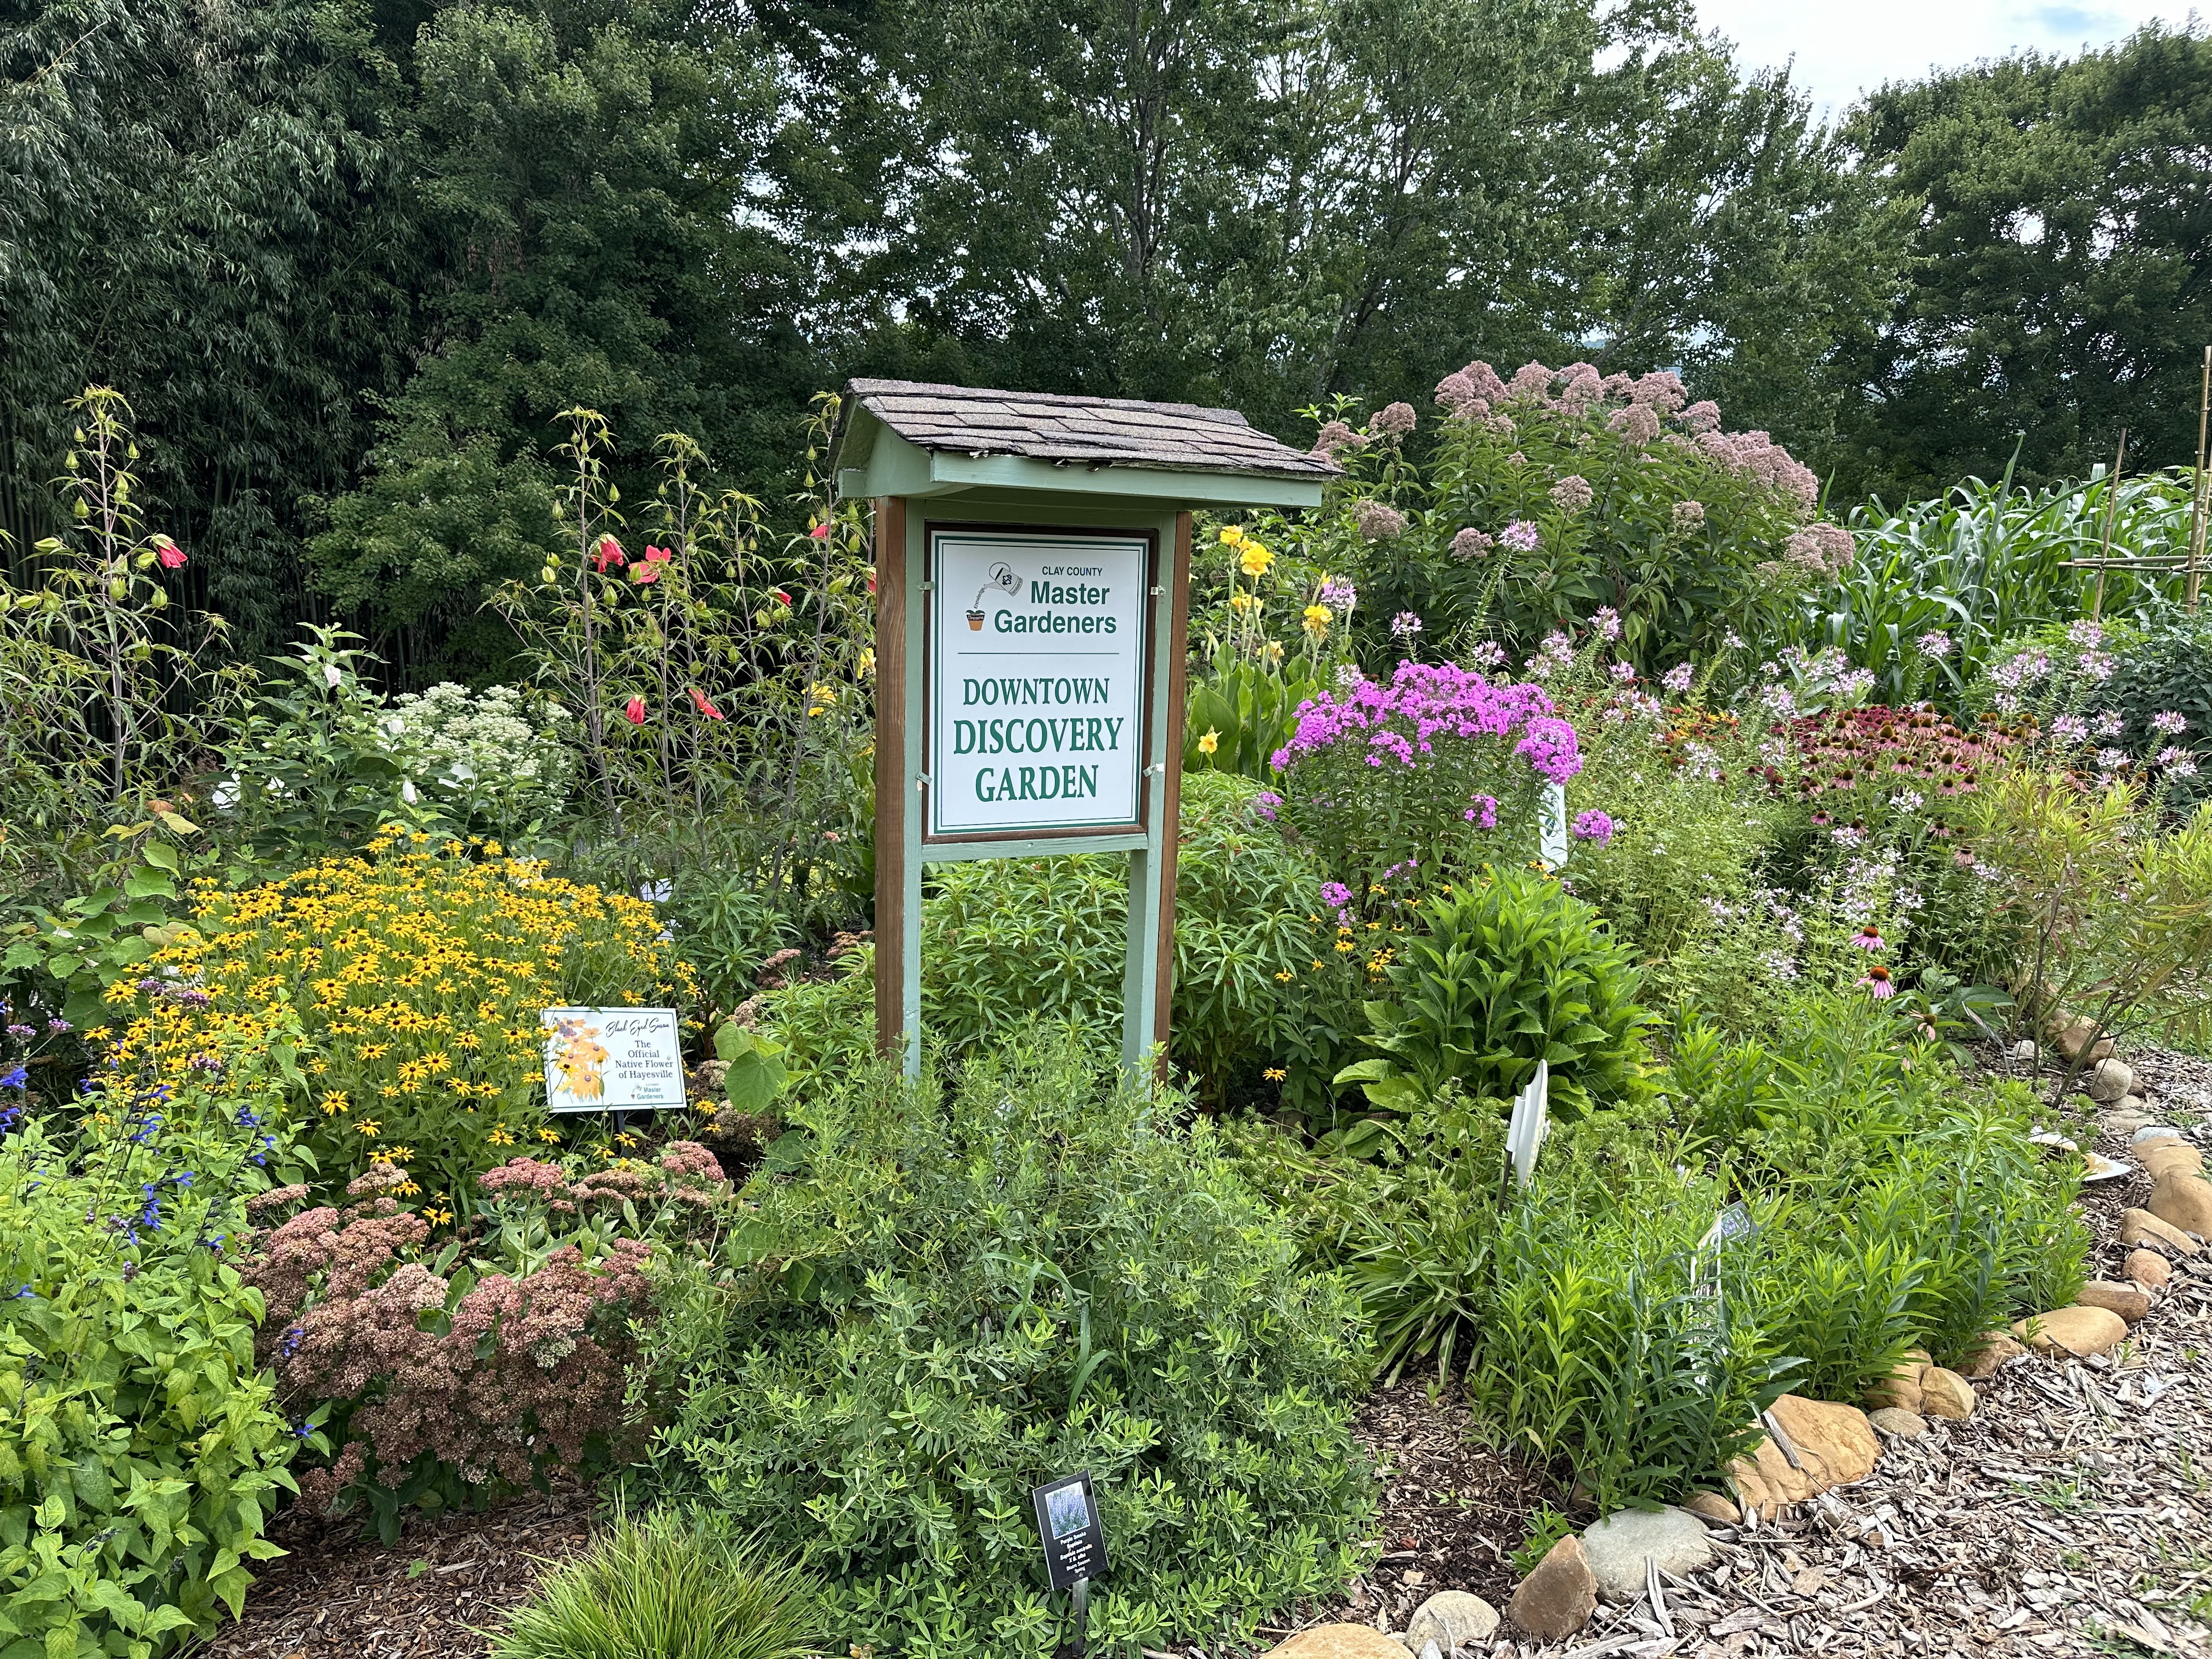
(1003, 578)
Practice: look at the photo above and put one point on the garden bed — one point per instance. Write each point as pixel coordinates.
(429, 1597)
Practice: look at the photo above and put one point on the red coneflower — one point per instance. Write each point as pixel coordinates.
(1877, 982)
(1868, 938)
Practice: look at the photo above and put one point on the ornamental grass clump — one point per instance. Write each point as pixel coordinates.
(418, 973)
(664, 1586)
(959, 1292)
(1414, 776)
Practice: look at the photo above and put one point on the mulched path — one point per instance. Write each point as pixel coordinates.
(450, 1575)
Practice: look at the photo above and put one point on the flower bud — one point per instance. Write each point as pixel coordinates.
(118, 588)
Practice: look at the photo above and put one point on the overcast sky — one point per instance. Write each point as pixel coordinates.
(1844, 47)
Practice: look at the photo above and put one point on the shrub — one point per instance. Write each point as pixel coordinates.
(1510, 970)
(965, 1292)
(446, 1376)
(418, 973)
(663, 1586)
(1561, 491)
(141, 1451)
(1009, 941)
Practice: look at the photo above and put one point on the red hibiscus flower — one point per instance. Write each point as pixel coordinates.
(633, 711)
(658, 556)
(699, 702)
(820, 532)
(171, 555)
(610, 553)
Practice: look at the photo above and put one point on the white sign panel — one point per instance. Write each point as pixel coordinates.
(612, 1060)
(1036, 680)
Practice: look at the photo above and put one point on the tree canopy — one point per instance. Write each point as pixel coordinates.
(349, 258)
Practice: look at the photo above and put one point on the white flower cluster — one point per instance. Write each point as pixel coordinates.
(498, 750)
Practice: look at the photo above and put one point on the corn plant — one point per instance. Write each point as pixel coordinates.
(1936, 585)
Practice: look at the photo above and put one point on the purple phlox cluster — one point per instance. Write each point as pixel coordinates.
(1378, 521)
(1550, 747)
(1335, 894)
(1592, 825)
(1471, 544)
(1483, 815)
(1266, 803)
(1403, 867)
(1520, 536)
(1425, 700)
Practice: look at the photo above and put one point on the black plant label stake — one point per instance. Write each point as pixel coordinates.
(1074, 1547)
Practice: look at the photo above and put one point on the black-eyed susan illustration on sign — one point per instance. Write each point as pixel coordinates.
(612, 1060)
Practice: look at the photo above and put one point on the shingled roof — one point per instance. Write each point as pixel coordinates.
(1088, 431)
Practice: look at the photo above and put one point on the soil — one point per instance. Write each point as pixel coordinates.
(428, 1597)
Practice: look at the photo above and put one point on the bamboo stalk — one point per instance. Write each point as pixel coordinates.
(2111, 511)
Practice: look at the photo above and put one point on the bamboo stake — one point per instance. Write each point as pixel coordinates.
(2197, 496)
(2111, 511)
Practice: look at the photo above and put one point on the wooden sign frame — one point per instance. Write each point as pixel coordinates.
(903, 532)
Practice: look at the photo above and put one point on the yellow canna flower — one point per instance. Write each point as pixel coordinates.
(1255, 560)
(1317, 620)
(1210, 742)
(1230, 535)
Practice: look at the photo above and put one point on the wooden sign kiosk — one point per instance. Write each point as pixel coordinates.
(1032, 590)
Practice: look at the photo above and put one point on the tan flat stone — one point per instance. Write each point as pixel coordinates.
(1947, 1394)
(2077, 1330)
(2184, 1200)
(2166, 1157)
(1713, 1507)
(1339, 1642)
(1835, 1447)
(1994, 1349)
(2148, 1269)
(2142, 1227)
(2125, 1300)
(1559, 1597)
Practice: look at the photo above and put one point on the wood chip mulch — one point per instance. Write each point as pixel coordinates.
(450, 1575)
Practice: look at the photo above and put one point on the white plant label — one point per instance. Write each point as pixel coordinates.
(1037, 682)
(612, 1060)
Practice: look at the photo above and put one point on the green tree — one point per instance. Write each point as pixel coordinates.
(201, 210)
(584, 169)
(2057, 284)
